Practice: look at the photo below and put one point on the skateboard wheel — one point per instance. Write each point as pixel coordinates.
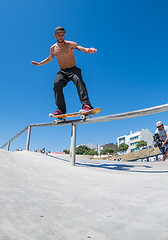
(55, 121)
(83, 117)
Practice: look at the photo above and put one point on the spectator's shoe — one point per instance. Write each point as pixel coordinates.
(58, 112)
(85, 108)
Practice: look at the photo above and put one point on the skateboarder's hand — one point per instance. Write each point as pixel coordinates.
(92, 50)
(35, 63)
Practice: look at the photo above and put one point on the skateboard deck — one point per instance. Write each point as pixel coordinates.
(82, 115)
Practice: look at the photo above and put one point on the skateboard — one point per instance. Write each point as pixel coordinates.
(82, 115)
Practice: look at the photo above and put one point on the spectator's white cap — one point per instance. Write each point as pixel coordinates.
(159, 123)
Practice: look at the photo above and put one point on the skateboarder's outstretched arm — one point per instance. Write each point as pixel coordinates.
(83, 49)
(47, 60)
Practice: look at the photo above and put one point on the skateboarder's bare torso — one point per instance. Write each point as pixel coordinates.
(64, 54)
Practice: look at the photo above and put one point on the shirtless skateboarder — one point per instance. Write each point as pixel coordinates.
(64, 52)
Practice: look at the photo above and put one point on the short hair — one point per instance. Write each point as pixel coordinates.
(59, 29)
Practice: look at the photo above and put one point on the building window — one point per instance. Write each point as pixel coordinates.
(132, 144)
(134, 149)
(133, 138)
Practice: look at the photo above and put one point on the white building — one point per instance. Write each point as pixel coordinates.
(133, 138)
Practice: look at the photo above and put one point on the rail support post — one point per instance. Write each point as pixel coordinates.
(28, 138)
(8, 146)
(73, 144)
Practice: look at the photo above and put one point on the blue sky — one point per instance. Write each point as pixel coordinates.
(128, 72)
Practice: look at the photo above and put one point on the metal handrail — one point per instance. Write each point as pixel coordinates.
(8, 142)
(113, 117)
(73, 123)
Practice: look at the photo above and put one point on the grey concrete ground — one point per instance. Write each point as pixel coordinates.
(45, 198)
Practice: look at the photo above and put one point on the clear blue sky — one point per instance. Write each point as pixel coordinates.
(129, 71)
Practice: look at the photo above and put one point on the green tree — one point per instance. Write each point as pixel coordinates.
(91, 152)
(122, 147)
(66, 151)
(82, 149)
(107, 151)
(141, 143)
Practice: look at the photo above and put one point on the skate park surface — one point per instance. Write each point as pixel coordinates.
(44, 197)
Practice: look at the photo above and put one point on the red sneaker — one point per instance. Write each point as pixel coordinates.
(85, 108)
(58, 112)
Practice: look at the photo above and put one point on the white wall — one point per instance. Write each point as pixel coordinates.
(147, 136)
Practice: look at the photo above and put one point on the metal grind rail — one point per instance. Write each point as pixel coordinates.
(74, 123)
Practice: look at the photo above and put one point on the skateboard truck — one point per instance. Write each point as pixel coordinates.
(60, 120)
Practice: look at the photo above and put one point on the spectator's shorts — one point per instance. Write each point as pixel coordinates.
(164, 149)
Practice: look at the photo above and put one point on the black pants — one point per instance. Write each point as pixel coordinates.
(62, 78)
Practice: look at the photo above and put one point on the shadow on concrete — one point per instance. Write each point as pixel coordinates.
(115, 166)
(122, 167)
(58, 158)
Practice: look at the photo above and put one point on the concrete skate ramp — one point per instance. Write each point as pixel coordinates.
(45, 198)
